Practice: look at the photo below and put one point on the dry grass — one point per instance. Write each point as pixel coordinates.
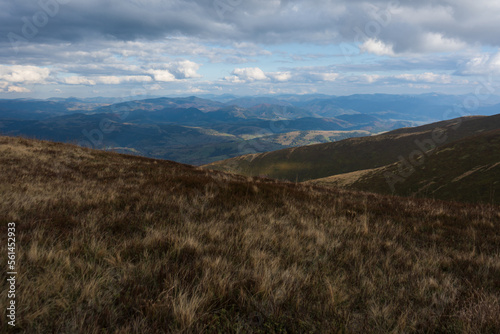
(119, 244)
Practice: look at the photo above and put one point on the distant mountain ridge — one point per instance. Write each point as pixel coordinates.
(217, 130)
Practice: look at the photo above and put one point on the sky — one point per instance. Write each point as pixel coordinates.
(123, 48)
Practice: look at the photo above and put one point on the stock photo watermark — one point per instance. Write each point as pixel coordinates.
(11, 274)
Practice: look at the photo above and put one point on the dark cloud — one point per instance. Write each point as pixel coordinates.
(406, 25)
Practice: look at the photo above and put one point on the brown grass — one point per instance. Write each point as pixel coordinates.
(109, 243)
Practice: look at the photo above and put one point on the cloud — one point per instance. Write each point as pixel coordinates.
(280, 76)
(116, 80)
(184, 69)
(78, 80)
(178, 70)
(139, 42)
(16, 89)
(162, 75)
(426, 77)
(482, 64)
(252, 74)
(442, 23)
(371, 78)
(23, 74)
(325, 76)
(436, 42)
(377, 47)
(248, 74)
(5, 87)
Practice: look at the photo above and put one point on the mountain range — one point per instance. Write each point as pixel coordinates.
(199, 130)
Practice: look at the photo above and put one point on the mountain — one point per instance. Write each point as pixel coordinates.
(162, 103)
(216, 130)
(465, 170)
(191, 136)
(126, 244)
(323, 160)
(23, 109)
(424, 108)
(273, 111)
(208, 153)
(108, 131)
(249, 102)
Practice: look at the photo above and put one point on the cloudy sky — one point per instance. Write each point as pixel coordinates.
(88, 48)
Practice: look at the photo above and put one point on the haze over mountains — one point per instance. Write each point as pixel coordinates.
(199, 130)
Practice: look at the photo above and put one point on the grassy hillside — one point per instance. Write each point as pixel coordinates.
(124, 244)
(468, 170)
(323, 160)
(251, 143)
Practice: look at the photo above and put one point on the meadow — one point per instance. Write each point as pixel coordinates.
(111, 243)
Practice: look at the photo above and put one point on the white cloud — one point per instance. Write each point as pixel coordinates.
(17, 89)
(371, 78)
(436, 42)
(482, 64)
(419, 86)
(116, 80)
(280, 76)
(23, 74)
(5, 87)
(162, 75)
(179, 70)
(377, 47)
(426, 77)
(328, 76)
(248, 74)
(429, 77)
(78, 80)
(185, 69)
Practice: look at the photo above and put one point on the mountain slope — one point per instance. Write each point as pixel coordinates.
(466, 170)
(162, 103)
(24, 109)
(115, 243)
(323, 160)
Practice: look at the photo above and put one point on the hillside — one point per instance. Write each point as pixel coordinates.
(467, 170)
(354, 154)
(124, 244)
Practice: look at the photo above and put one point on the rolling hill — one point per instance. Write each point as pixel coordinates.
(465, 170)
(118, 243)
(354, 154)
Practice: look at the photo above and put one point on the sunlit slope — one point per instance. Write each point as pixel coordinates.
(468, 170)
(323, 160)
